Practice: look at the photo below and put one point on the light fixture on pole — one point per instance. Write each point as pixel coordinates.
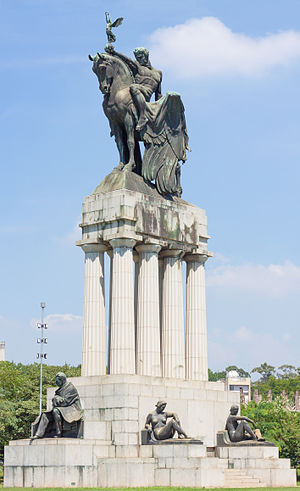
(41, 355)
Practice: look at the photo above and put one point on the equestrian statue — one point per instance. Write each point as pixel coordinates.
(127, 86)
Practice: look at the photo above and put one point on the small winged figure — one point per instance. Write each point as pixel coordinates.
(111, 38)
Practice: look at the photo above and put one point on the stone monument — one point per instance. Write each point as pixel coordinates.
(157, 344)
(66, 410)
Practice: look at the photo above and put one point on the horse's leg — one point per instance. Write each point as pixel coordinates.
(116, 131)
(138, 158)
(178, 181)
(129, 127)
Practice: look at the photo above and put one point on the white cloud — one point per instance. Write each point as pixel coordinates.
(206, 47)
(274, 280)
(61, 322)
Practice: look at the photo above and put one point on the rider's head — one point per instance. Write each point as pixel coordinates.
(142, 56)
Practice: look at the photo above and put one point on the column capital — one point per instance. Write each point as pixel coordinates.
(94, 247)
(171, 253)
(148, 248)
(130, 243)
(196, 257)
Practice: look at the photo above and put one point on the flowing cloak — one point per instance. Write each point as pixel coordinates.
(70, 408)
(166, 140)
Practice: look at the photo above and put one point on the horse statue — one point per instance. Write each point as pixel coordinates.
(160, 125)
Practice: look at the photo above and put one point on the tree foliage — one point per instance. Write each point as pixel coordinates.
(278, 425)
(265, 370)
(19, 396)
(287, 378)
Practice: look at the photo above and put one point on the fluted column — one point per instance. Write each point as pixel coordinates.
(196, 337)
(148, 325)
(94, 329)
(122, 339)
(136, 279)
(172, 316)
(110, 254)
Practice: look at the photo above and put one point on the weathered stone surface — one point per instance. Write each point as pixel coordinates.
(123, 205)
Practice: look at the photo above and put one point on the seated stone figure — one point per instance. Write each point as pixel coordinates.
(159, 428)
(66, 408)
(239, 429)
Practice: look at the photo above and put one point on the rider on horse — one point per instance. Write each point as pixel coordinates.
(147, 81)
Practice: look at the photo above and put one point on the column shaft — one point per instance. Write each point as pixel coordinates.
(196, 337)
(172, 316)
(110, 254)
(148, 325)
(122, 339)
(94, 329)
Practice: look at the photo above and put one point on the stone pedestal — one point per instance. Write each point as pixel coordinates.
(111, 454)
(151, 356)
(146, 316)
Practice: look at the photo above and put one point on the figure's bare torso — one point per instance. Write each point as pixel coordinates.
(148, 79)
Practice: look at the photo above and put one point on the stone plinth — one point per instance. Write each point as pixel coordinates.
(117, 405)
(128, 218)
(259, 462)
(110, 454)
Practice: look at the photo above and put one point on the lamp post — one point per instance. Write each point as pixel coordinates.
(41, 355)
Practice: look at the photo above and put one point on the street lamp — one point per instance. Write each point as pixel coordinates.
(41, 355)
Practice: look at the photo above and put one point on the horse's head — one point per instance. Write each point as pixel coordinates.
(110, 69)
(103, 68)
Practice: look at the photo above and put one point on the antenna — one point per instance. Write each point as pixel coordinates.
(41, 355)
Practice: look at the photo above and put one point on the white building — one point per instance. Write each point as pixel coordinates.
(235, 383)
(2, 350)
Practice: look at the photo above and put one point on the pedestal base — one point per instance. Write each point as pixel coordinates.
(111, 454)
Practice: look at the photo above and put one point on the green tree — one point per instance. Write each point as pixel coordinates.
(264, 370)
(278, 425)
(216, 376)
(288, 371)
(19, 396)
(240, 371)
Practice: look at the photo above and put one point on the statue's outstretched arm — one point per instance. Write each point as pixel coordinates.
(244, 418)
(131, 63)
(173, 415)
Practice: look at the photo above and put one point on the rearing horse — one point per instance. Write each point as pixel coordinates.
(164, 135)
(114, 79)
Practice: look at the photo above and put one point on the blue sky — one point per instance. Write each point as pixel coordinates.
(237, 66)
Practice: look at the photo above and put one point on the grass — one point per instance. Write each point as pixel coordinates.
(150, 489)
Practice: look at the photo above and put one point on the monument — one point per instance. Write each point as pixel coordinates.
(66, 409)
(157, 345)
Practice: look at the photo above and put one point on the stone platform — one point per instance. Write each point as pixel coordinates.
(116, 406)
(111, 454)
(90, 463)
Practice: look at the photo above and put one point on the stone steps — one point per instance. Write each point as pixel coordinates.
(236, 478)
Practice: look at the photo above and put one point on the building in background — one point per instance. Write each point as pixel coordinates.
(2, 350)
(236, 383)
